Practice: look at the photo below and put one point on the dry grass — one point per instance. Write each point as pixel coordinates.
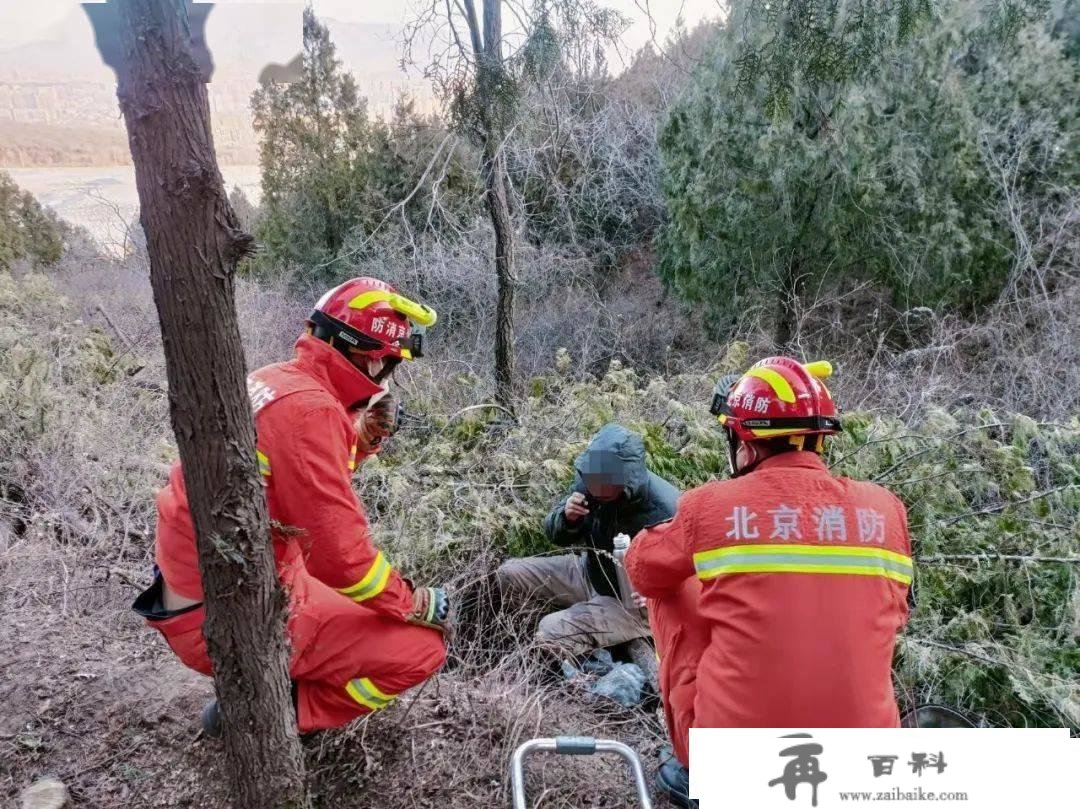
(99, 702)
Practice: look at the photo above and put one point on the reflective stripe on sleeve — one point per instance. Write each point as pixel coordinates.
(373, 583)
(264, 464)
(829, 559)
(368, 694)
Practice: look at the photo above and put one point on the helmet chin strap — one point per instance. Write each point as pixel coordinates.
(733, 455)
(389, 364)
(798, 442)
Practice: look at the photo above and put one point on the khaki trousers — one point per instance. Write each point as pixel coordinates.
(586, 621)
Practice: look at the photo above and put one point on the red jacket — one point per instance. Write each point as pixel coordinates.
(804, 588)
(307, 452)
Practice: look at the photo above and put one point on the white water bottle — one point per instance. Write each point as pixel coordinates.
(627, 595)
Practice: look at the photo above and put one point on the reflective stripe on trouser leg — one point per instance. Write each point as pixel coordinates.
(368, 694)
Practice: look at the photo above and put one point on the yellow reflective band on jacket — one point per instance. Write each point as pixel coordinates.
(373, 583)
(831, 559)
(352, 458)
(367, 694)
(264, 464)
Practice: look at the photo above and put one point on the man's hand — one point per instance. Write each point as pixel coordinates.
(576, 507)
(431, 608)
(377, 422)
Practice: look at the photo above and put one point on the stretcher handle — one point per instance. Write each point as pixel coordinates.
(575, 746)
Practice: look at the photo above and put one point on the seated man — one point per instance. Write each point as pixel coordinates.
(360, 634)
(775, 597)
(613, 494)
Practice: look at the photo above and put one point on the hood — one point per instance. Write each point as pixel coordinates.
(615, 455)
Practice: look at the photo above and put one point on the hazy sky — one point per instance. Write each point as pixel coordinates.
(25, 20)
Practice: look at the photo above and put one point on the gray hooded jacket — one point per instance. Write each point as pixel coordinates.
(614, 456)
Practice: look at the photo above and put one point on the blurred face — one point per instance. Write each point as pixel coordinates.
(373, 368)
(604, 492)
(745, 455)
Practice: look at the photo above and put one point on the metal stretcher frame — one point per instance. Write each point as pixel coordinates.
(575, 746)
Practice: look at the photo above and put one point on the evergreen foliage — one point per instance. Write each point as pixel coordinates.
(894, 179)
(332, 174)
(27, 230)
(816, 42)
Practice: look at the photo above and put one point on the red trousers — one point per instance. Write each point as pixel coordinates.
(347, 660)
(681, 637)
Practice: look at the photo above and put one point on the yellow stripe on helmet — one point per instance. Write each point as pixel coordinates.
(779, 385)
(777, 431)
(418, 313)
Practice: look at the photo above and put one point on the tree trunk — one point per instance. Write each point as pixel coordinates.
(194, 241)
(787, 311)
(499, 209)
(490, 73)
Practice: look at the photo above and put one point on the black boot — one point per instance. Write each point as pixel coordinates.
(211, 715)
(211, 720)
(673, 779)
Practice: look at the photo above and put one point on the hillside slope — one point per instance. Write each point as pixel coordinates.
(98, 701)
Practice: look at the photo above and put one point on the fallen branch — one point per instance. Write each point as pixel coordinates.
(123, 337)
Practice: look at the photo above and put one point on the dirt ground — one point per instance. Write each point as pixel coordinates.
(93, 699)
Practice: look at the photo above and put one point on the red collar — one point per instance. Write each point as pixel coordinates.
(794, 459)
(335, 373)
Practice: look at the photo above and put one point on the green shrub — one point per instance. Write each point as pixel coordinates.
(26, 229)
(908, 178)
(331, 172)
(84, 447)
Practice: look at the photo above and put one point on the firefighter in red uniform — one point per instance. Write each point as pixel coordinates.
(775, 597)
(360, 634)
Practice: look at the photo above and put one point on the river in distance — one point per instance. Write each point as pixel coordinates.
(103, 199)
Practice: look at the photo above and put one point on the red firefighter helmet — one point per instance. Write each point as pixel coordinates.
(777, 397)
(370, 315)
